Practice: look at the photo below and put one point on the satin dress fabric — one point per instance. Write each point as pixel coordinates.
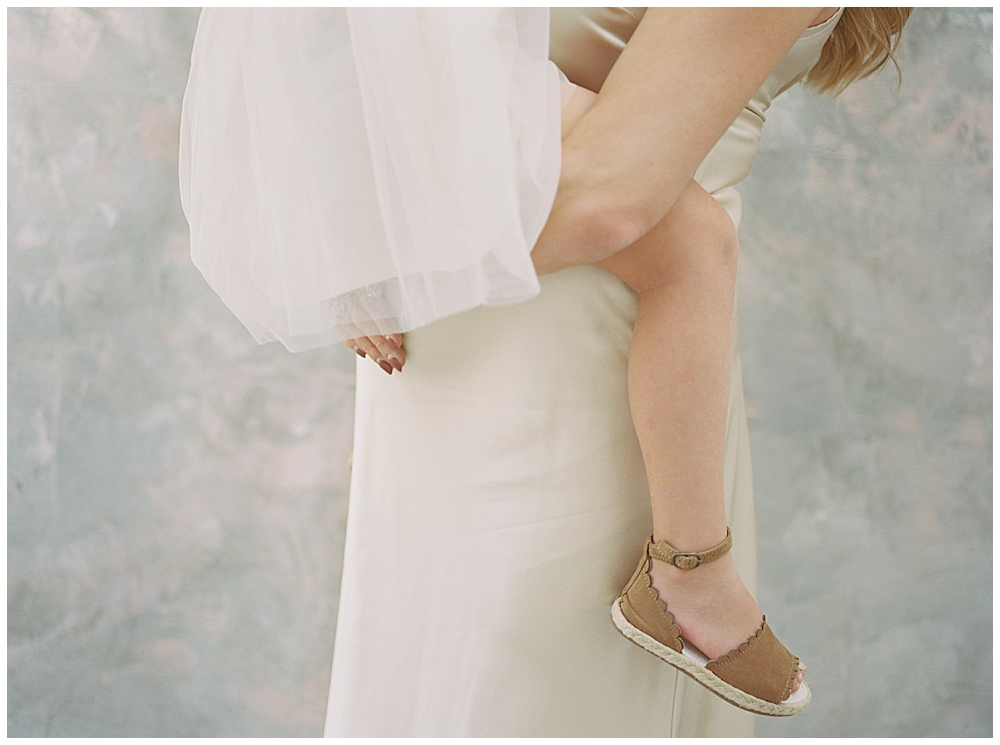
(498, 500)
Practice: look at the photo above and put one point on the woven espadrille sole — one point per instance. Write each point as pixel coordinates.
(699, 673)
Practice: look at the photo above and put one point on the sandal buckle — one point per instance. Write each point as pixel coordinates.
(683, 560)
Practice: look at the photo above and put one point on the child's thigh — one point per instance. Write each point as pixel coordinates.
(577, 101)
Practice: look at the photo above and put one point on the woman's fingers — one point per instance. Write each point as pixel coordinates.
(390, 345)
(368, 347)
(389, 351)
(370, 337)
(357, 340)
(386, 352)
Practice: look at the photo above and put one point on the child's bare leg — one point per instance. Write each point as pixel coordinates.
(679, 375)
(684, 270)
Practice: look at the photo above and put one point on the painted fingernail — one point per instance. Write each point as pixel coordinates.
(361, 354)
(394, 361)
(385, 366)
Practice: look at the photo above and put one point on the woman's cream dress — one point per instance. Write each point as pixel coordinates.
(498, 503)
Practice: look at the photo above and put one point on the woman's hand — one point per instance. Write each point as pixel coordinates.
(385, 351)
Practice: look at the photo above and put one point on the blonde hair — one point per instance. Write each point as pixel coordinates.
(863, 40)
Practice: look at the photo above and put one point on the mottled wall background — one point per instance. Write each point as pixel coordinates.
(176, 494)
(866, 302)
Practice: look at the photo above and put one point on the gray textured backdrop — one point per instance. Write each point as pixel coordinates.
(176, 494)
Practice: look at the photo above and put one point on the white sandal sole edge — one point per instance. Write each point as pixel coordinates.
(696, 669)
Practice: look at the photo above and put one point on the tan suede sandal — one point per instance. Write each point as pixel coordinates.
(757, 676)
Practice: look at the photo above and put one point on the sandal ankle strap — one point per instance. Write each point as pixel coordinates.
(688, 559)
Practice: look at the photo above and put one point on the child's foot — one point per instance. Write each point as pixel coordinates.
(738, 657)
(711, 606)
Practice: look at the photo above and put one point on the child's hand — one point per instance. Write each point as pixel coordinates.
(385, 351)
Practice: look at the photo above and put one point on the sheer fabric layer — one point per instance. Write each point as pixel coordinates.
(367, 169)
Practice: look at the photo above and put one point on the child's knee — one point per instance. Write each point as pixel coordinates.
(721, 232)
(695, 243)
(705, 235)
